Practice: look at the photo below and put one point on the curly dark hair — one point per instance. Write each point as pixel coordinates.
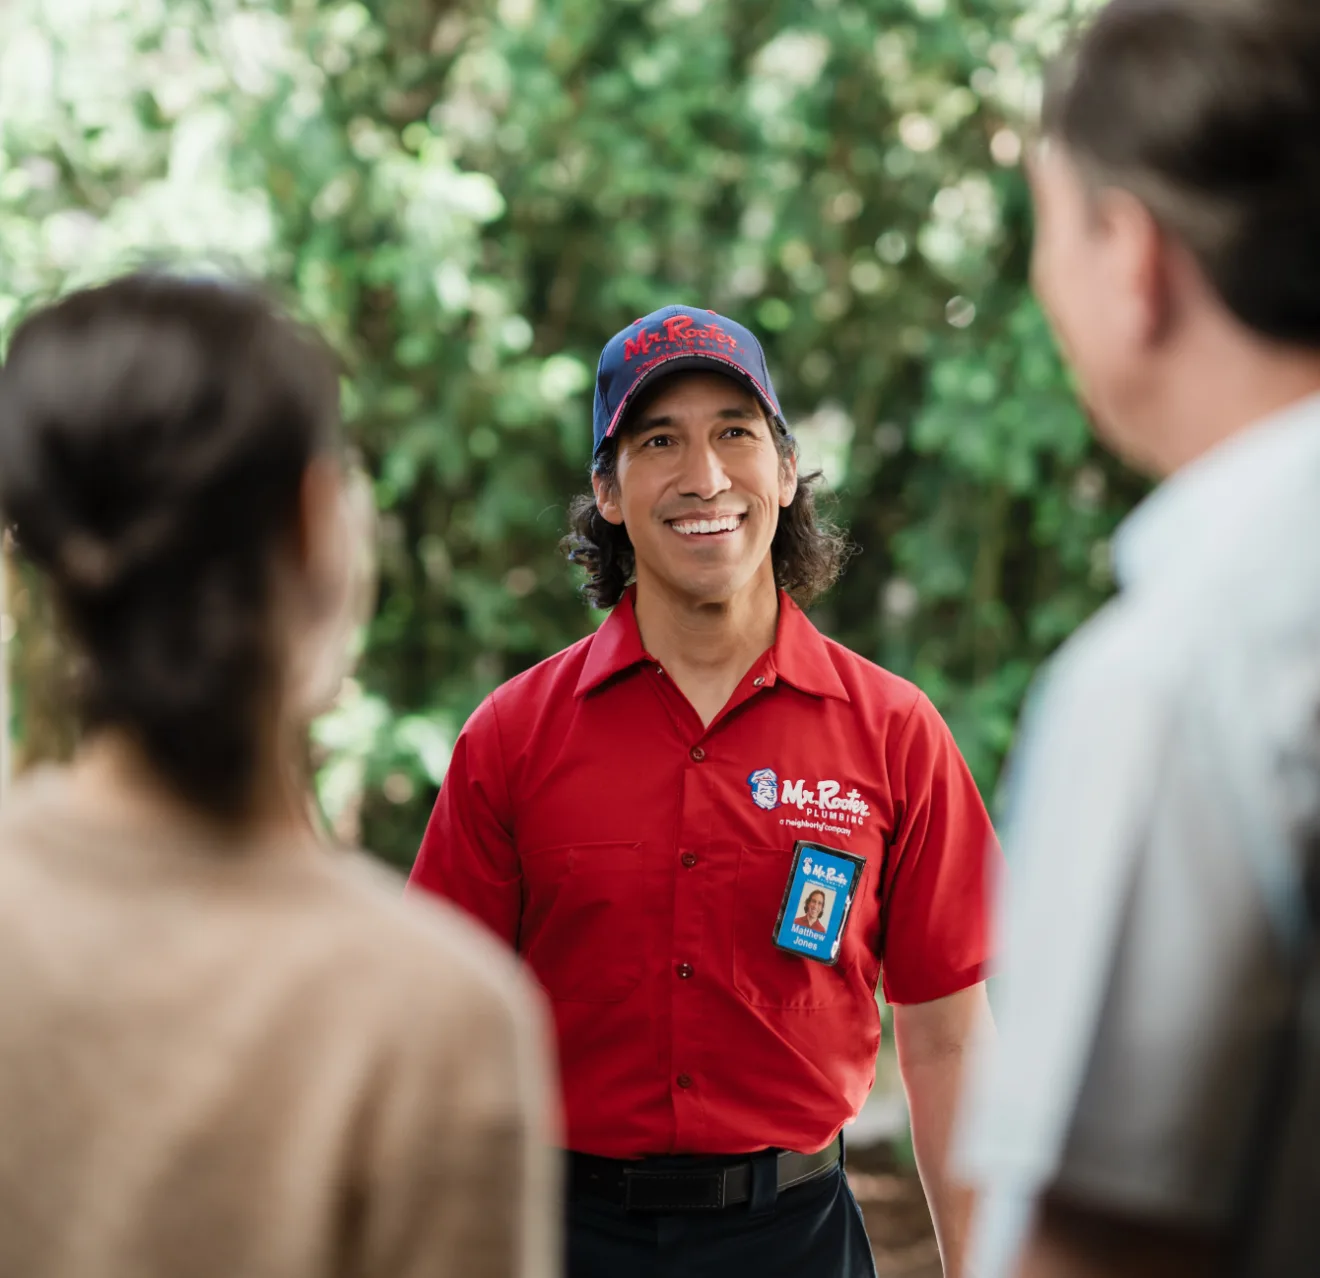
(808, 551)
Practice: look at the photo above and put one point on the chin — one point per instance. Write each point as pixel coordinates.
(716, 588)
(707, 592)
(706, 578)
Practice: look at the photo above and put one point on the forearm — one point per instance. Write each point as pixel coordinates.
(932, 1101)
(934, 1042)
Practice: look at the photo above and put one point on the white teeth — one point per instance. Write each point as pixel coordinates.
(696, 526)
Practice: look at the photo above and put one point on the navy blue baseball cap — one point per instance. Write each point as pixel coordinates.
(668, 341)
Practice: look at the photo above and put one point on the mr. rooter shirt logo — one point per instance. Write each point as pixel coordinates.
(823, 806)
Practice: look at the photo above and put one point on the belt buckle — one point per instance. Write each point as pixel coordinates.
(676, 1191)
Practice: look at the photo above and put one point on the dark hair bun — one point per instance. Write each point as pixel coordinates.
(153, 436)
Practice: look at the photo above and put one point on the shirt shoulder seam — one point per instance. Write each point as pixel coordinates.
(909, 720)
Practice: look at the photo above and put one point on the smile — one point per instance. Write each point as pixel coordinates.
(706, 527)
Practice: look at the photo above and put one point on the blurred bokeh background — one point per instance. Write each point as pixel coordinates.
(469, 198)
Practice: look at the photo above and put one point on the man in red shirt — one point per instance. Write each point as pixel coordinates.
(641, 815)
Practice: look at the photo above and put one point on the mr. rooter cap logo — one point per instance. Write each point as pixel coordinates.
(681, 332)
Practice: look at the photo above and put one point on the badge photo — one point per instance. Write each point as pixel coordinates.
(817, 901)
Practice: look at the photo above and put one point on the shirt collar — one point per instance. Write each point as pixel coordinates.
(616, 646)
(800, 656)
(1228, 489)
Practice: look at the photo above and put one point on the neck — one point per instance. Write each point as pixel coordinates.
(1228, 389)
(707, 646)
(116, 775)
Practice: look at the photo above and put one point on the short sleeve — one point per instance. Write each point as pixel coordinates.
(1140, 988)
(941, 867)
(468, 854)
(1197, 991)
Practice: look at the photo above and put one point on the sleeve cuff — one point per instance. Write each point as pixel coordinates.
(933, 986)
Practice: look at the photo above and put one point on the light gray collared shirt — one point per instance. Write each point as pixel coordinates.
(1168, 760)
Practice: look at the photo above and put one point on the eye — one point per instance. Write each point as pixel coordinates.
(737, 432)
(657, 441)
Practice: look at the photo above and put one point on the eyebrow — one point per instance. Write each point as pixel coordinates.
(738, 414)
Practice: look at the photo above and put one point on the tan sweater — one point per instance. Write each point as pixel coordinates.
(260, 1063)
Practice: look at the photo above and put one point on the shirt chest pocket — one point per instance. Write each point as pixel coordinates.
(582, 915)
(764, 975)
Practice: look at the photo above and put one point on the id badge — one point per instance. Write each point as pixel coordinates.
(817, 901)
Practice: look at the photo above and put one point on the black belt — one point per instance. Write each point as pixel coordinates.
(650, 1185)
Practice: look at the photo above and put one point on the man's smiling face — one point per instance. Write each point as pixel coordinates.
(698, 485)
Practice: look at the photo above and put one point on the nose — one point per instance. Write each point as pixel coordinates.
(703, 475)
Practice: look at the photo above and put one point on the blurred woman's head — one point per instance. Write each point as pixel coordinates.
(168, 460)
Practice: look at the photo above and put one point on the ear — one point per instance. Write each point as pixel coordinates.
(336, 564)
(788, 481)
(607, 499)
(1144, 260)
(319, 535)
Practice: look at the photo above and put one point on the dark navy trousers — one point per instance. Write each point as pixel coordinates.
(812, 1231)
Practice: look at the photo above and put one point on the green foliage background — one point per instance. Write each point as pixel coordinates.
(470, 198)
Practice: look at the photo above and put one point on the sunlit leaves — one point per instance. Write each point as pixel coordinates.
(469, 200)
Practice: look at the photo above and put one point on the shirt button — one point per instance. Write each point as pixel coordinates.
(759, 681)
(689, 859)
(684, 1080)
(684, 971)
(697, 754)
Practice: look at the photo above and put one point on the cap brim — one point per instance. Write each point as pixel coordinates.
(688, 360)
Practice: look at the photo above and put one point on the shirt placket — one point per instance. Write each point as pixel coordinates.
(703, 897)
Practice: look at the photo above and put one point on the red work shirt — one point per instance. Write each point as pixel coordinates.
(638, 861)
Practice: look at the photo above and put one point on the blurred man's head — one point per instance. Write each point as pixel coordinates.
(1178, 200)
